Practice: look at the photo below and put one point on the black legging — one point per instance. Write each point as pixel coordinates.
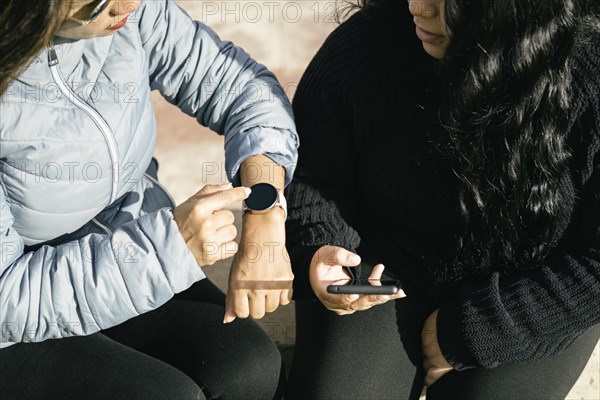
(372, 355)
(181, 350)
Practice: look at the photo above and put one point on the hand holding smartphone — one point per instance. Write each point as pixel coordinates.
(331, 278)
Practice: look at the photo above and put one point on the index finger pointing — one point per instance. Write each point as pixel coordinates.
(219, 200)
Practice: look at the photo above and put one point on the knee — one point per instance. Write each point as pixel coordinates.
(256, 370)
(159, 381)
(261, 362)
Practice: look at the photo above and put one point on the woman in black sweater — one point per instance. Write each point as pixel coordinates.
(466, 159)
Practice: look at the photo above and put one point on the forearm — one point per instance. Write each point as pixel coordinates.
(530, 315)
(261, 169)
(313, 222)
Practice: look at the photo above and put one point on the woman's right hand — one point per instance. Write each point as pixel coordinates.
(205, 225)
(327, 266)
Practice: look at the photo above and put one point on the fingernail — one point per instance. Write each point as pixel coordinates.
(248, 191)
(354, 259)
(225, 185)
(402, 294)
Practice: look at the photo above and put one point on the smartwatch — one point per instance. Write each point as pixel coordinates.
(263, 198)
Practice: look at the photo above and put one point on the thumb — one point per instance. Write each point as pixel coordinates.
(345, 258)
(209, 189)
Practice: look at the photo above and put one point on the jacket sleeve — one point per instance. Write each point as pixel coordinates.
(322, 201)
(532, 314)
(96, 282)
(218, 84)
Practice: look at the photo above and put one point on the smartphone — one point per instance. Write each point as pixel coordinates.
(365, 286)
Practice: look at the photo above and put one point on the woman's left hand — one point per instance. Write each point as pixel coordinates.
(434, 363)
(261, 275)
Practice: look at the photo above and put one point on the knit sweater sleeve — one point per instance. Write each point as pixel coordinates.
(322, 198)
(537, 313)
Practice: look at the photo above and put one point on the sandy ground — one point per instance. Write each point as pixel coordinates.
(283, 35)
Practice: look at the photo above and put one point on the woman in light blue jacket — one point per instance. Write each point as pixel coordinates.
(92, 249)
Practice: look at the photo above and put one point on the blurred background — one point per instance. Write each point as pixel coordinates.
(283, 35)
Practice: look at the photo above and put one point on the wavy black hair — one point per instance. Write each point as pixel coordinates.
(506, 95)
(505, 112)
(26, 26)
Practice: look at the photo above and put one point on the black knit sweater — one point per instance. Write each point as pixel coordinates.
(369, 180)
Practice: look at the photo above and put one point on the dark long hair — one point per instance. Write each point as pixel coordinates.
(505, 115)
(506, 97)
(26, 26)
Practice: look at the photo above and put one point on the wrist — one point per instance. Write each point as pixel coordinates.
(264, 227)
(452, 341)
(275, 215)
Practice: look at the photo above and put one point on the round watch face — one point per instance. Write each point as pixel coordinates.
(263, 196)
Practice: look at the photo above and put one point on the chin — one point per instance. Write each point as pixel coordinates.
(434, 51)
(84, 32)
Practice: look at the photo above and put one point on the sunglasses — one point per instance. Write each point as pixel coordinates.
(91, 11)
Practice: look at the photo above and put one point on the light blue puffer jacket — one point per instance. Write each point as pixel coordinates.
(87, 239)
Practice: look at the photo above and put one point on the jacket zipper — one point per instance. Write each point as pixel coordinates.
(105, 228)
(157, 183)
(92, 113)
